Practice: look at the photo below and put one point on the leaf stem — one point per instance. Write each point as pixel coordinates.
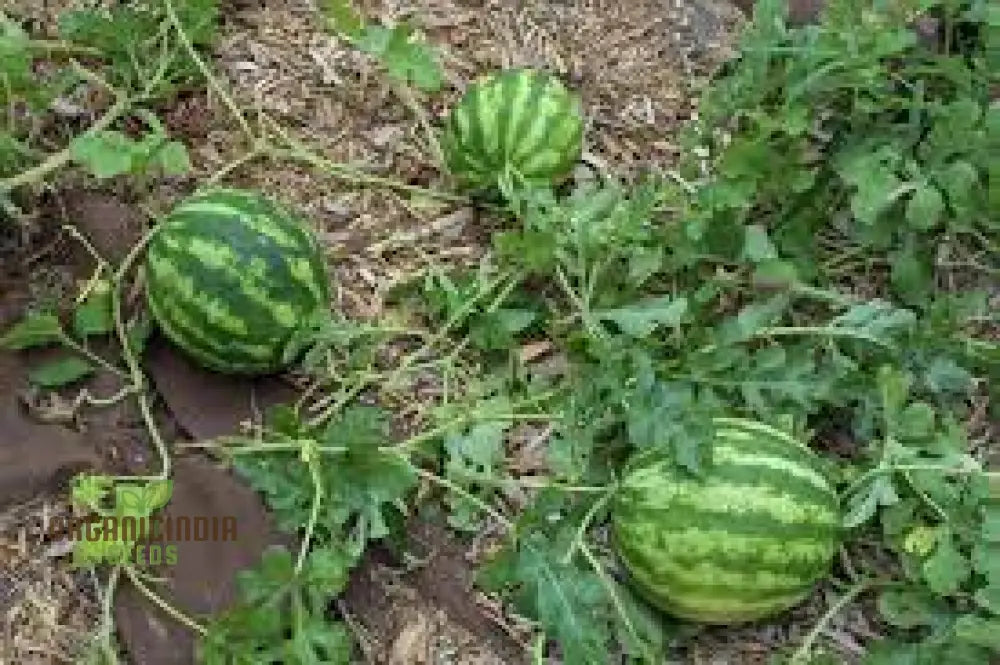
(172, 611)
(805, 649)
(107, 616)
(609, 587)
(312, 459)
(57, 160)
(210, 78)
(447, 484)
(405, 94)
(73, 345)
(581, 530)
(138, 379)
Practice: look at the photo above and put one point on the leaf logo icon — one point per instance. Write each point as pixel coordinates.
(143, 500)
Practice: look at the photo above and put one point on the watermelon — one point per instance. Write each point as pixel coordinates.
(744, 539)
(234, 279)
(518, 125)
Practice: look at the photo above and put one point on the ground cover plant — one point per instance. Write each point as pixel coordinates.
(803, 306)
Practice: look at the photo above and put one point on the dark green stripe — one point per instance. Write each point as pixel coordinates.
(232, 361)
(278, 282)
(510, 90)
(538, 86)
(219, 285)
(551, 123)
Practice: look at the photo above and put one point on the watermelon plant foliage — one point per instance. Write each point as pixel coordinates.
(799, 321)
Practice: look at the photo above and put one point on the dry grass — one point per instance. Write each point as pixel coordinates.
(49, 612)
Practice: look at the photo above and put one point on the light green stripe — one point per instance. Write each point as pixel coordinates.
(185, 332)
(302, 272)
(739, 427)
(722, 453)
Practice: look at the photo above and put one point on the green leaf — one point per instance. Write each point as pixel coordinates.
(916, 421)
(876, 320)
(137, 333)
(280, 617)
(989, 598)
(924, 209)
(105, 154)
(89, 491)
(752, 319)
(774, 274)
(565, 599)
(991, 523)
(173, 159)
(329, 568)
(757, 246)
(875, 194)
(93, 315)
(912, 273)
(864, 503)
(343, 18)
(498, 329)
(909, 607)
(959, 180)
(672, 417)
(979, 631)
(946, 569)
(894, 389)
(946, 377)
(34, 330)
(360, 486)
(404, 57)
(61, 372)
(476, 454)
(641, 319)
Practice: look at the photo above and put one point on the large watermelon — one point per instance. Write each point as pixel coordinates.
(744, 540)
(233, 278)
(519, 125)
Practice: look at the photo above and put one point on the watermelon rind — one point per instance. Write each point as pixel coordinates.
(746, 539)
(518, 126)
(232, 277)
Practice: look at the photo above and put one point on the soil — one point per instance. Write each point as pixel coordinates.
(420, 608)
(202, 582)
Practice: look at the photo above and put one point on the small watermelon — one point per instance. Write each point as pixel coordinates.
(519, 125)
(234, 280)
(744, 540)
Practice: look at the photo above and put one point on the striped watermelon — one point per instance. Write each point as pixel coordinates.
(232, 278)
(745, 540)
(519, 125)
